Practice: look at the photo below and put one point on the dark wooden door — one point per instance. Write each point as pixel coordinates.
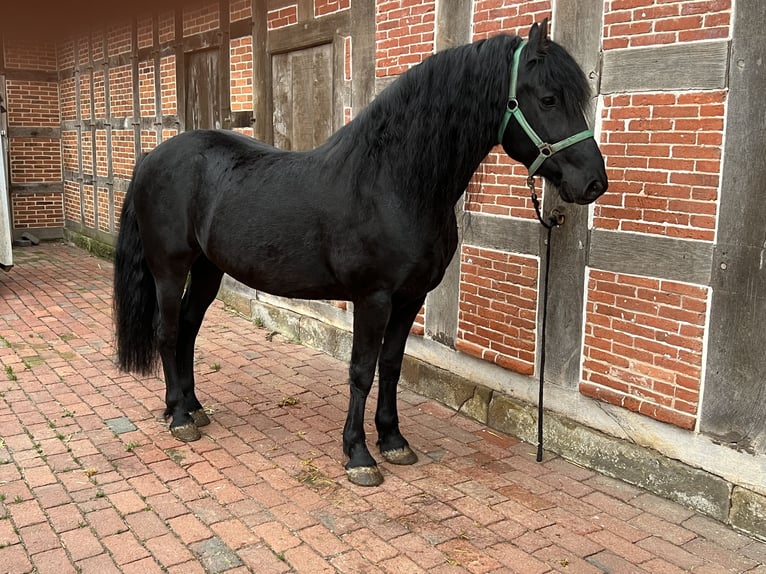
(302, 83)
(203, 89)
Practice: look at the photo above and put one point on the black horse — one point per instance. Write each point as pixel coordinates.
(367, 217)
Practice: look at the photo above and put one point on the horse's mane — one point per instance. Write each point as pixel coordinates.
(446, 112)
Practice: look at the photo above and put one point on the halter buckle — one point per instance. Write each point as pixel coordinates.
(546, 150)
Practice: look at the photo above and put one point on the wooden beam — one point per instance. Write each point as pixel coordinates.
(453, 28)
(578, 28)
(308, 34)
(501, 233)
(651, 256)
(262, 124)
(683, 66)
(733, 405)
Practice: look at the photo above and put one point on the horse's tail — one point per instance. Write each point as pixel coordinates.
(135, 297)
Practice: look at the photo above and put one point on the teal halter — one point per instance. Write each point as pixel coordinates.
(513, 110)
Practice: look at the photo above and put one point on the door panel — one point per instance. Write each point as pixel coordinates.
(302, 83)
(203, 90)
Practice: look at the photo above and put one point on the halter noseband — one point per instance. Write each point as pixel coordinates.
(513, 110)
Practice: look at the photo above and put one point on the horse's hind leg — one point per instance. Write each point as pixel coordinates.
(201, 290)
(393, 446)
(170, 287)
(370, 319)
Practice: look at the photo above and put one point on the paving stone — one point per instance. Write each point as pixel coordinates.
(215, 555)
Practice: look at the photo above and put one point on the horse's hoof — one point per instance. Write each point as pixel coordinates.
(404, 455)
(200, 417)
(365, 475)
(186, 433)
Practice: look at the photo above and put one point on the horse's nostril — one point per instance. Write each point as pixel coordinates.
(596, 188)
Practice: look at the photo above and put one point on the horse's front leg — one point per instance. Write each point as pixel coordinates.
(393, 446)
(370, 319)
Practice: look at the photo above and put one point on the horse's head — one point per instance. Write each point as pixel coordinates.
(545, 127)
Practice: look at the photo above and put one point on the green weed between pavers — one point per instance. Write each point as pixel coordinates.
(9, 372)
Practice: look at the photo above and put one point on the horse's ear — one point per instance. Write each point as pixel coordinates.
(538, 37)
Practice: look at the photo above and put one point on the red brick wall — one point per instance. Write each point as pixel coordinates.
(32, 103)
(241, 63)
(282, 17)
(405, 35)
(30, 55)
(629, 23)
(324, 7)
(663, 153)
(498, 307)
(643, 345)
(37, 210)
(201, 17)
(34, 159)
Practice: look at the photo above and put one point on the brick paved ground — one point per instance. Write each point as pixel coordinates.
(91, 481)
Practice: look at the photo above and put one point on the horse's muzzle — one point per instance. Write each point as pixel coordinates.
(593, 191)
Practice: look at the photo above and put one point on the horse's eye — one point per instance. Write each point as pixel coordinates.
(548, 101)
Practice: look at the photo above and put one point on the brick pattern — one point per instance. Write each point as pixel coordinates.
(71, 201)
(85, 96)
(492, 17)
(32, 103)
(166, 26)
(281, 17)
(168, 85)
(643, 345)
(119, 39)
(240, 10)
(324, 7)
(663, 155)
(35, 160)
(631, 23)
(68, 103)
(146, 94)
(499, 186)
(121, 92)
(497, 319)
(99, 94)
(65, 55)
(102, 167)
(97, 43)
(200, 17)
(69, 155)
(241, 63)
(87, 152)
(123, 151)
(40, 210)
(404, 35)
(89, 206)
(264, 490)
(30, 55)
(102, 206)
(145, 32)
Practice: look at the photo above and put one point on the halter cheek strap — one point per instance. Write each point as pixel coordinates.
(513, 110)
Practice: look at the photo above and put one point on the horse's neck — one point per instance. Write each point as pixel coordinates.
(454, 136)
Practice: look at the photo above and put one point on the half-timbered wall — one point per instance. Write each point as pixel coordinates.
(657, 291)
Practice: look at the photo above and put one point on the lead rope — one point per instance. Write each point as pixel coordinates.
(555, 220)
